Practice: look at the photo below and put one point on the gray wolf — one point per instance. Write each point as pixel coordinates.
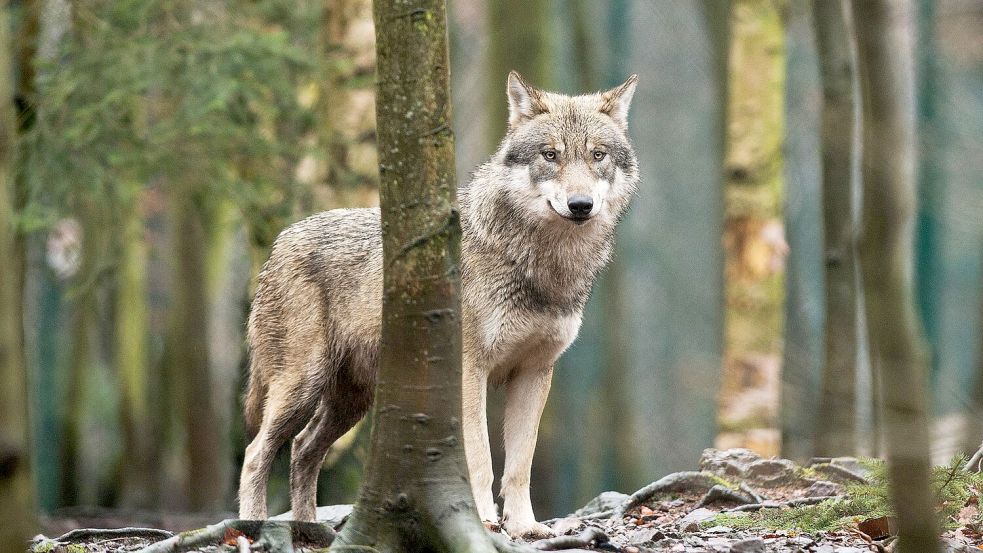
(537, 219)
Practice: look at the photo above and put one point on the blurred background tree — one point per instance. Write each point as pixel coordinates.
(163, 145)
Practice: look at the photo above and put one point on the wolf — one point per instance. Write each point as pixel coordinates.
(537, 220)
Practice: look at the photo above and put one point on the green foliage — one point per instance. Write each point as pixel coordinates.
(196, 95)
(953, 486)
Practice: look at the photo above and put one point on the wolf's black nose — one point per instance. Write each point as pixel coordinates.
(580, 206)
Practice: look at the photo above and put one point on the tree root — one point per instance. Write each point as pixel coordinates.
(758, 498)
(81, 534)
(587, 538)
(975, 463)
(675, 482)
(723, 494)
(780, 504)
(265, 534)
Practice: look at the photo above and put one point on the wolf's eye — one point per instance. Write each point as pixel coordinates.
(599, 155)
(549, 155)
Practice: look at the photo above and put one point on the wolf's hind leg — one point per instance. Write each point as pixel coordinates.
(343, 404)
(288, 407)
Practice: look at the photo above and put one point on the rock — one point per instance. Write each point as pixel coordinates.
(851, 550)
(771, 472)
(728, 462)
(604, 502)
(750, 545)
(691, 522)
(645, 535)
(335, 515)
(566, 525)
(719, 530)
(823, 488)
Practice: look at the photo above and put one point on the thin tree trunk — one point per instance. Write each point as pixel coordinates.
(837, 66)
(207, 472)
(884, 31)
(131, 356)
(415, 495)
(17, 508)
(754, 236)
(346, 106)
(521, 42)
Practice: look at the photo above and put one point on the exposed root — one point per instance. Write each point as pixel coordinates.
(975, 463)
(675, 482)
(844, 473)
(587, 538)
(780, 504)
(266, 534)
(723, 494)
(758, 498)
(81, 534)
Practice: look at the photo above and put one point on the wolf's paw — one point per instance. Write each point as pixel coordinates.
(527, 529)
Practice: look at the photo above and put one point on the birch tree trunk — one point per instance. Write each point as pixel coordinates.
(884, 31)
(17, 508)
(415, 494)
(840, 172)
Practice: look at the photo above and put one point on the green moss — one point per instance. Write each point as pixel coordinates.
(43, 547)
(75, 548)
(953, 487)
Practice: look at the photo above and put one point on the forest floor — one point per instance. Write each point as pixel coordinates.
(736, 502)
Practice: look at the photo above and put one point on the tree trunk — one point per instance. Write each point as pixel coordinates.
(17, 509)
(346, 106)
(754, 236)
(884, 34)
(415, 494)
(190, 370)
(131, 358)
(840, 147)
(521, 42)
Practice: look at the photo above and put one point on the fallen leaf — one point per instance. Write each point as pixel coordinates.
(877, 528)
(230, 536)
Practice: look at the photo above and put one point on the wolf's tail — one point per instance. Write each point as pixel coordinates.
(254, 398)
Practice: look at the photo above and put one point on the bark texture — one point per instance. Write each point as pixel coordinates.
(17, 508)
(840, 171)
(415, 494)
(884, 31)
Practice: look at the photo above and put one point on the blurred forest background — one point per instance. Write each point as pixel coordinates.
(163, 144)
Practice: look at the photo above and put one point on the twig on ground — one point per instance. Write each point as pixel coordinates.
(720, 493)
(80, 534)
(779, 504)
(758, 498)
(975, 463)
(842, 472)
(590, 536)
(675, 482)
(592, 516)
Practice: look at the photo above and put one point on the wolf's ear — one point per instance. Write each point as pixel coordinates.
(525, 102)
(616, 101)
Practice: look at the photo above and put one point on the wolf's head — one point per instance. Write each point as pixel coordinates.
(569, 158)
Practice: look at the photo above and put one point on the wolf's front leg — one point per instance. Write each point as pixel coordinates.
(476, 449)
(525, 398)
